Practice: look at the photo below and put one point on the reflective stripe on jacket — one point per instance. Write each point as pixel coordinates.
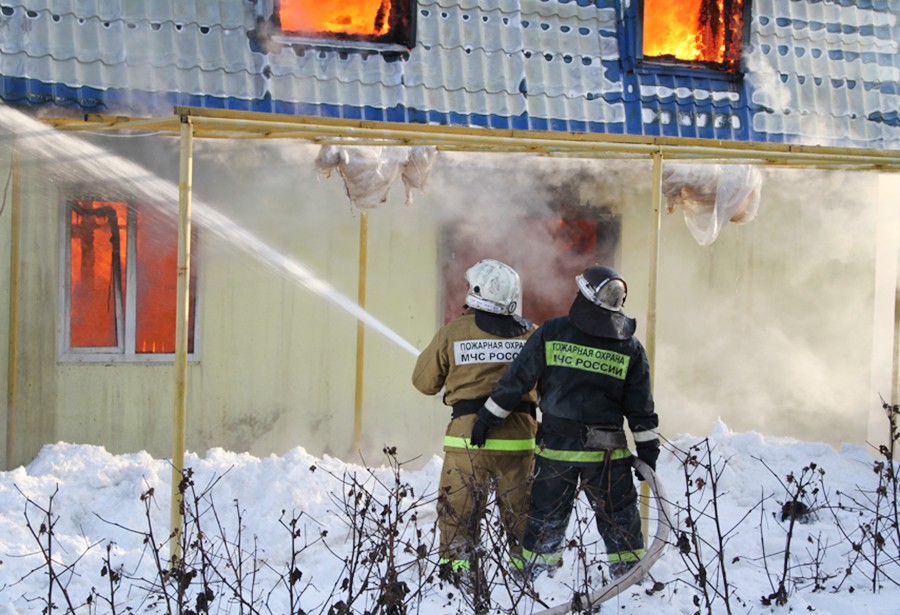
(581, 456)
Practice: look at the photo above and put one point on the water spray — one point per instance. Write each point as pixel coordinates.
(100, 163)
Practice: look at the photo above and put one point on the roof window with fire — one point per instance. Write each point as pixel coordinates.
(345, 23)
(693, 34)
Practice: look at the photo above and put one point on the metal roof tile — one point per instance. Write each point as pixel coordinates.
(449, 101)
(506, 6)
(566, 76)
(13, 63)
(562, 10)
(471, 29)
(456, 69)
(573, 36)
(596, 110)
(537, 63)
(352, 67)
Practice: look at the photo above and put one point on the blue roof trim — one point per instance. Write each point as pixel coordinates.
(20, 91)
(674, 117)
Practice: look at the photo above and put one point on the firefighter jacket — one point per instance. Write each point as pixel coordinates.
(465, 358)
(583, 380)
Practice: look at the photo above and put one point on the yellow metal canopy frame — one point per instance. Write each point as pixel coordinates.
(226, 124)
(192, 122)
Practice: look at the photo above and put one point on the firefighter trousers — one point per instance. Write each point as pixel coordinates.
(610, 490)
(468, 479)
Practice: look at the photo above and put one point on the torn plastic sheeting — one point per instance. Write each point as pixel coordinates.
(369, 172)
(711, 196)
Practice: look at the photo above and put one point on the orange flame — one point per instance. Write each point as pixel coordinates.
(693, 30)
(360, 17)
(92, 295)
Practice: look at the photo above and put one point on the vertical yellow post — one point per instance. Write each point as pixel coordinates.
(650, 339)
(181, 331)
(895, 373)
(360, 330)
(15, 237)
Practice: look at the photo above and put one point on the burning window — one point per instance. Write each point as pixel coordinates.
(122, 280)
(375, 21)
(708, 32)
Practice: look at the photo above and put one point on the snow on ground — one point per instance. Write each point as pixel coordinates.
(101, 506)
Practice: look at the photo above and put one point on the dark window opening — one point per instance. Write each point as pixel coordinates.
(548, 253)
(382, 22)
(122, 280)
(705, 33)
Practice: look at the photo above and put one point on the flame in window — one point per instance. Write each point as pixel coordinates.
(157, 284)
(694, 30)
(99, 277)
(356, 17)
(97, 284)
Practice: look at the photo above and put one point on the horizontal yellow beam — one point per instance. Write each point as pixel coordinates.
(231, 124)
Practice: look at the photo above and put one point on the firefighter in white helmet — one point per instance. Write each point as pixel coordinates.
(466, 358)
(593, 375)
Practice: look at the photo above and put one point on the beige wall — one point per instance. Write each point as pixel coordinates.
(770, 328)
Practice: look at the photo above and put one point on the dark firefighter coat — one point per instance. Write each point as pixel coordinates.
(583, 380)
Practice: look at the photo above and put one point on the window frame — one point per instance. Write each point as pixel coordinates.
(270, 28)
(126, 327)
(637, 63)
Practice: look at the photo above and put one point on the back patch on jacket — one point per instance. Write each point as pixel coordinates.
(587, 358)
(468, 352)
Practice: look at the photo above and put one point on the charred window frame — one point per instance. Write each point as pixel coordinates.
(397, 16)
(118, 273)
(729, 68)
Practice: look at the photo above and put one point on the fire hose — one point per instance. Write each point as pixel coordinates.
(653, 553)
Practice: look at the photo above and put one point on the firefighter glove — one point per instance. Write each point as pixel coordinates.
(487, 420)
(648, 452)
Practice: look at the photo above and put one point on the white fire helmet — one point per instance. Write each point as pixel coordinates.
(493, 287)
(603, 286)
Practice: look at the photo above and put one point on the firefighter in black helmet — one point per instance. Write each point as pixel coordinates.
(466, 358)
(592, 375)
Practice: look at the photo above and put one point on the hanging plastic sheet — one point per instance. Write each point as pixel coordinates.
(712, 195)
(369, 172)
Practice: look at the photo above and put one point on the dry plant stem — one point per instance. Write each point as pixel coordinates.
(888, 483)
(893, 412)
(234, 562)
(702, 475)
(294, 575)
(799, 491)
(720, 537)
(45, 531)
(192, 526)
(689, 545)
(114, 577)
(877, 511)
